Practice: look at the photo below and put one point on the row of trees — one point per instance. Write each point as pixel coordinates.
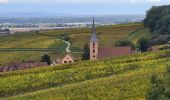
(143, 44)
(158, 19)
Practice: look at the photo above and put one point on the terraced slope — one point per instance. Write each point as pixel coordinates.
(114, 78)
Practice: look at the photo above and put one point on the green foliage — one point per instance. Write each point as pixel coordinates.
(157, 88)
(154, 78)
(158, 19)
(143, 44)
(125, 43)
(46, 58)
(86, 52)
(160, 89)
(141, 33)
(168, 69)
(167, 83)
(65, 37)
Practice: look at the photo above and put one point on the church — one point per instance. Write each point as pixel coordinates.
(98, 53)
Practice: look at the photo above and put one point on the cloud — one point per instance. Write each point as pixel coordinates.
(3, 1)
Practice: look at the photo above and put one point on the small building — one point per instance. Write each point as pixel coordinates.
(153, 48)
(69, 58)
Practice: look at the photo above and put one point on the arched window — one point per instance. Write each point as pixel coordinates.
(93, 51)
(93, 43)
(94, 56)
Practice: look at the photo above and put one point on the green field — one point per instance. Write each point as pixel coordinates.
(108, 36)
(121, 78)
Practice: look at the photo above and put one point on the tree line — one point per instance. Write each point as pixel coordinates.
(158, 19)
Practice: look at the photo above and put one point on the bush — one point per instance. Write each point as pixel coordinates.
(143, 44)
(125, 43)
(86, 52)
(46, 58)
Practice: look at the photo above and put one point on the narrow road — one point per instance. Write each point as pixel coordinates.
(68, 43)
(68, 46)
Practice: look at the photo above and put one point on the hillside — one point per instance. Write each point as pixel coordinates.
(127, 77)
(108, 36)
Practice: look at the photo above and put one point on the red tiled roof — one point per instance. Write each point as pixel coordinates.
(32, 65)
(114, 51)
(20, 66)
(153, 48)
(70, 55)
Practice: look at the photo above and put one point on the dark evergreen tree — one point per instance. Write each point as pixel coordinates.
(67, 38)
(86, 52)
(46, 58)
(143, 44)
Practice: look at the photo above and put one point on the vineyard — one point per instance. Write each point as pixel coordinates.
(19, 47)
(126, 77)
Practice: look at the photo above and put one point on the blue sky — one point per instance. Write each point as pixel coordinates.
(81, 7)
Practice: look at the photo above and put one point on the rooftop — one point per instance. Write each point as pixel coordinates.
(114, 51)
(93, 36)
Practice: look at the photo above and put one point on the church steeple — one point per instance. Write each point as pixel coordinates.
(93, 43)
(94, 30)
(93, 36)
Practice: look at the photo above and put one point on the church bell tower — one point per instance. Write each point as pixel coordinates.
(94, 46)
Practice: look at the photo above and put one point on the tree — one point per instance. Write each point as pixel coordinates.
(66, 38)
(46, 59)
(143, 44)
(158, 19)
(86, 52)
(125, 43)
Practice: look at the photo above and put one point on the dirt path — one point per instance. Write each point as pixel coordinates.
(68, 46)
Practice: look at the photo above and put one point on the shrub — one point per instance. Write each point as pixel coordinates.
(46, 58)
(143, 44)
(125, 43)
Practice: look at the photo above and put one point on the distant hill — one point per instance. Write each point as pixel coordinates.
(36, 17)
(29, 14)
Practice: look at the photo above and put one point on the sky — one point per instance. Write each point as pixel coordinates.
(81, 7)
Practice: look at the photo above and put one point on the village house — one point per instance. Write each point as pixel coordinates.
(21, 66)
(96, 52)
(68, 58)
